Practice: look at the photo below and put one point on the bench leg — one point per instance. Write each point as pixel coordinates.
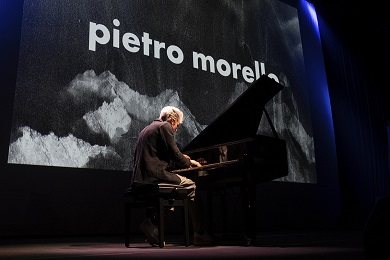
(127, 224)
(186, 224)
(161, 223)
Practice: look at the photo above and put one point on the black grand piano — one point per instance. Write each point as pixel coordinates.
(235, 154)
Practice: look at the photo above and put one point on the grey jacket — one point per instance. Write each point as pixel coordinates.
(155, 150)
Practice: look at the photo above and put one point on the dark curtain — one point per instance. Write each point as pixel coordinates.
(355, 70)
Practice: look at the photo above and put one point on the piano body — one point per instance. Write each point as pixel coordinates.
(235, 154)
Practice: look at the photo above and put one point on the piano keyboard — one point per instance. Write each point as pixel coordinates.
(206, 166)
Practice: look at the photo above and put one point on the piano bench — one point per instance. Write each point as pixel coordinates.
(157, 197)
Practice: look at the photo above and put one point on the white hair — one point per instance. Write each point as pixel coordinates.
(172, 112)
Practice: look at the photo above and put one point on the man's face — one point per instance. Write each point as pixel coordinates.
(175, 125)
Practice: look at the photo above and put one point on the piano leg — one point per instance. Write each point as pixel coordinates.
(221, 194)
(248, 190)
(210, 212)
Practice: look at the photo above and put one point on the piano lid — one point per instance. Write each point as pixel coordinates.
(241, 119)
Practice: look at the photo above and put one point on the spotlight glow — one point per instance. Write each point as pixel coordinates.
(313, 15)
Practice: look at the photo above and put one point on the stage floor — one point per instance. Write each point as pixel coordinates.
(269, 245)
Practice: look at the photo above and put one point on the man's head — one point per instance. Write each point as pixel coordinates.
(172, 115)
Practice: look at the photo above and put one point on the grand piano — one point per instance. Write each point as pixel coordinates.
(234, 155)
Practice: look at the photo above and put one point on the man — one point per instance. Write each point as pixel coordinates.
(155, 151)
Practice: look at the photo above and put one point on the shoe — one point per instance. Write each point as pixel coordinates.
(150, 231)
(202, 240)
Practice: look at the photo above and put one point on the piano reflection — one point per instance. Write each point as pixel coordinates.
(235, 154)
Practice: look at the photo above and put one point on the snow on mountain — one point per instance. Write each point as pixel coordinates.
(110, 128)
(48, 150)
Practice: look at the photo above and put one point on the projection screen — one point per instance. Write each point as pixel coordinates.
(93, 73)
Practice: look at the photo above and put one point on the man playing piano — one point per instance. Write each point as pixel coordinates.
(155, 151)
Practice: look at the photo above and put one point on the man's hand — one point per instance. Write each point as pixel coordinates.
(202, 161)
(195, 163)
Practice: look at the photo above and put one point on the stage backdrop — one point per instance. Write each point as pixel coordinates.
(93, 73)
